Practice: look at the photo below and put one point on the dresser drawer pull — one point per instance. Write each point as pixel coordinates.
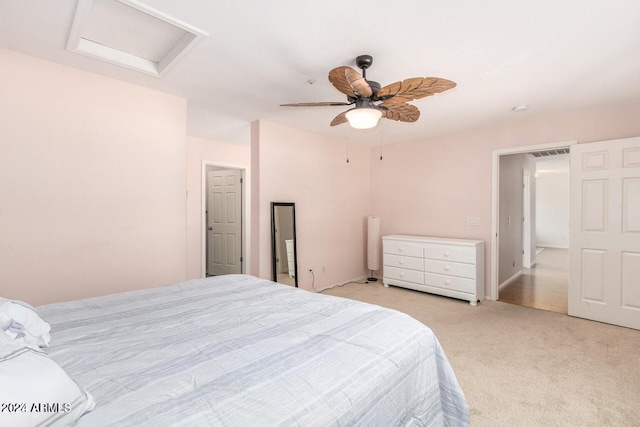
(447, 254)
(447, 268)
(400, 249)
(447, 282)
(401, 262)
(401, 274)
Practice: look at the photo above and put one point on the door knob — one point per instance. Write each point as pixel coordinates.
(210, 227)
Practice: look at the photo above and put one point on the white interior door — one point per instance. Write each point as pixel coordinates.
(526, 219)
(224, 222)
(604, 254)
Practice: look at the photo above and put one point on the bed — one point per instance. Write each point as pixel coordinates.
(242, 351)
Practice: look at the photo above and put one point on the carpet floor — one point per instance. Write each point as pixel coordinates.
(520, 366)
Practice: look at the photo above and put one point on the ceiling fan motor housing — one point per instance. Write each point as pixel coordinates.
(375, 87)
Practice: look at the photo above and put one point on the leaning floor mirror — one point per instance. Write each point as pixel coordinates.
(283, 243)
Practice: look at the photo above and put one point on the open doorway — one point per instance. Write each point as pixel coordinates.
(223, 220)
(545, 285)
(531, 226)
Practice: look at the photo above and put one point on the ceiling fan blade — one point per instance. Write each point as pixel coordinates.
(339, 119)
(415, 88)
(315, 104)
(400, 111)
(350, 82)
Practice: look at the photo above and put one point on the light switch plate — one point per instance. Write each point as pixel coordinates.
(473, 220)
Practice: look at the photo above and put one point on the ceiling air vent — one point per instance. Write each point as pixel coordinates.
(131, 34)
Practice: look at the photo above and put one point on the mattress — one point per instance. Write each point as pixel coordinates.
(242, 351)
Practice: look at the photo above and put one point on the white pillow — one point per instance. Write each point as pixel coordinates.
(22, 322)
(36, 390)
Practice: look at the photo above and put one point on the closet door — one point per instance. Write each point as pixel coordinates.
(224, 222)
(604, 255)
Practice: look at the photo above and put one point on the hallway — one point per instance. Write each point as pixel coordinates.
(545, 286)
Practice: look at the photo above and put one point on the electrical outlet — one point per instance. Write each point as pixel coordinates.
(473, 220)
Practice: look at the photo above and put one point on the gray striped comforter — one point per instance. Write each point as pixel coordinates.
(241, 351)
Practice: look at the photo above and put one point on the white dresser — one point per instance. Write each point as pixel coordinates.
(443, 266)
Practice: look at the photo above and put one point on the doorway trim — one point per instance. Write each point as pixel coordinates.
(203, 213)
(495, 201)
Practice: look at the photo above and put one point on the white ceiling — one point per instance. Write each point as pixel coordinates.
(553, 55)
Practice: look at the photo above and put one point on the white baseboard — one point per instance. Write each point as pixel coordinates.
(509, 281)
(544, 245)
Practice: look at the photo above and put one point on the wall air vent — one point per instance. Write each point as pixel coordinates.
(550, 152)
(131, 34)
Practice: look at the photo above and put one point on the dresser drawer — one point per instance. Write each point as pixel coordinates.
(450, 253)
(412, 276)
(450, 282)
(403, 262)
(450, 268)
(403, 248)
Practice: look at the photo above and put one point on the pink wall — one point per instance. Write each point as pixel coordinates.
(92, 183)
(93, 174)
(331, 196)
(429, 187)
(221, 154)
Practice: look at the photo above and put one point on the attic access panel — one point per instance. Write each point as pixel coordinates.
(131, 34)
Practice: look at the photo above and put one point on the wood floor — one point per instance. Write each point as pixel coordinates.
(545, 286)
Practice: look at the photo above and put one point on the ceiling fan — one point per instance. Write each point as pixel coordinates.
(373, 101)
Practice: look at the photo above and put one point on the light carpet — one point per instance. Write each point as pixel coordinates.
(520, 366)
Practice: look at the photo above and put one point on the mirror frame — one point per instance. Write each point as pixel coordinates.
(274, 269)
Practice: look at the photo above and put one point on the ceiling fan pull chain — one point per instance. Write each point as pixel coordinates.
(380, 141)
(347, 145)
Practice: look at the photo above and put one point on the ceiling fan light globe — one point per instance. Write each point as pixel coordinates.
(363, 118)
